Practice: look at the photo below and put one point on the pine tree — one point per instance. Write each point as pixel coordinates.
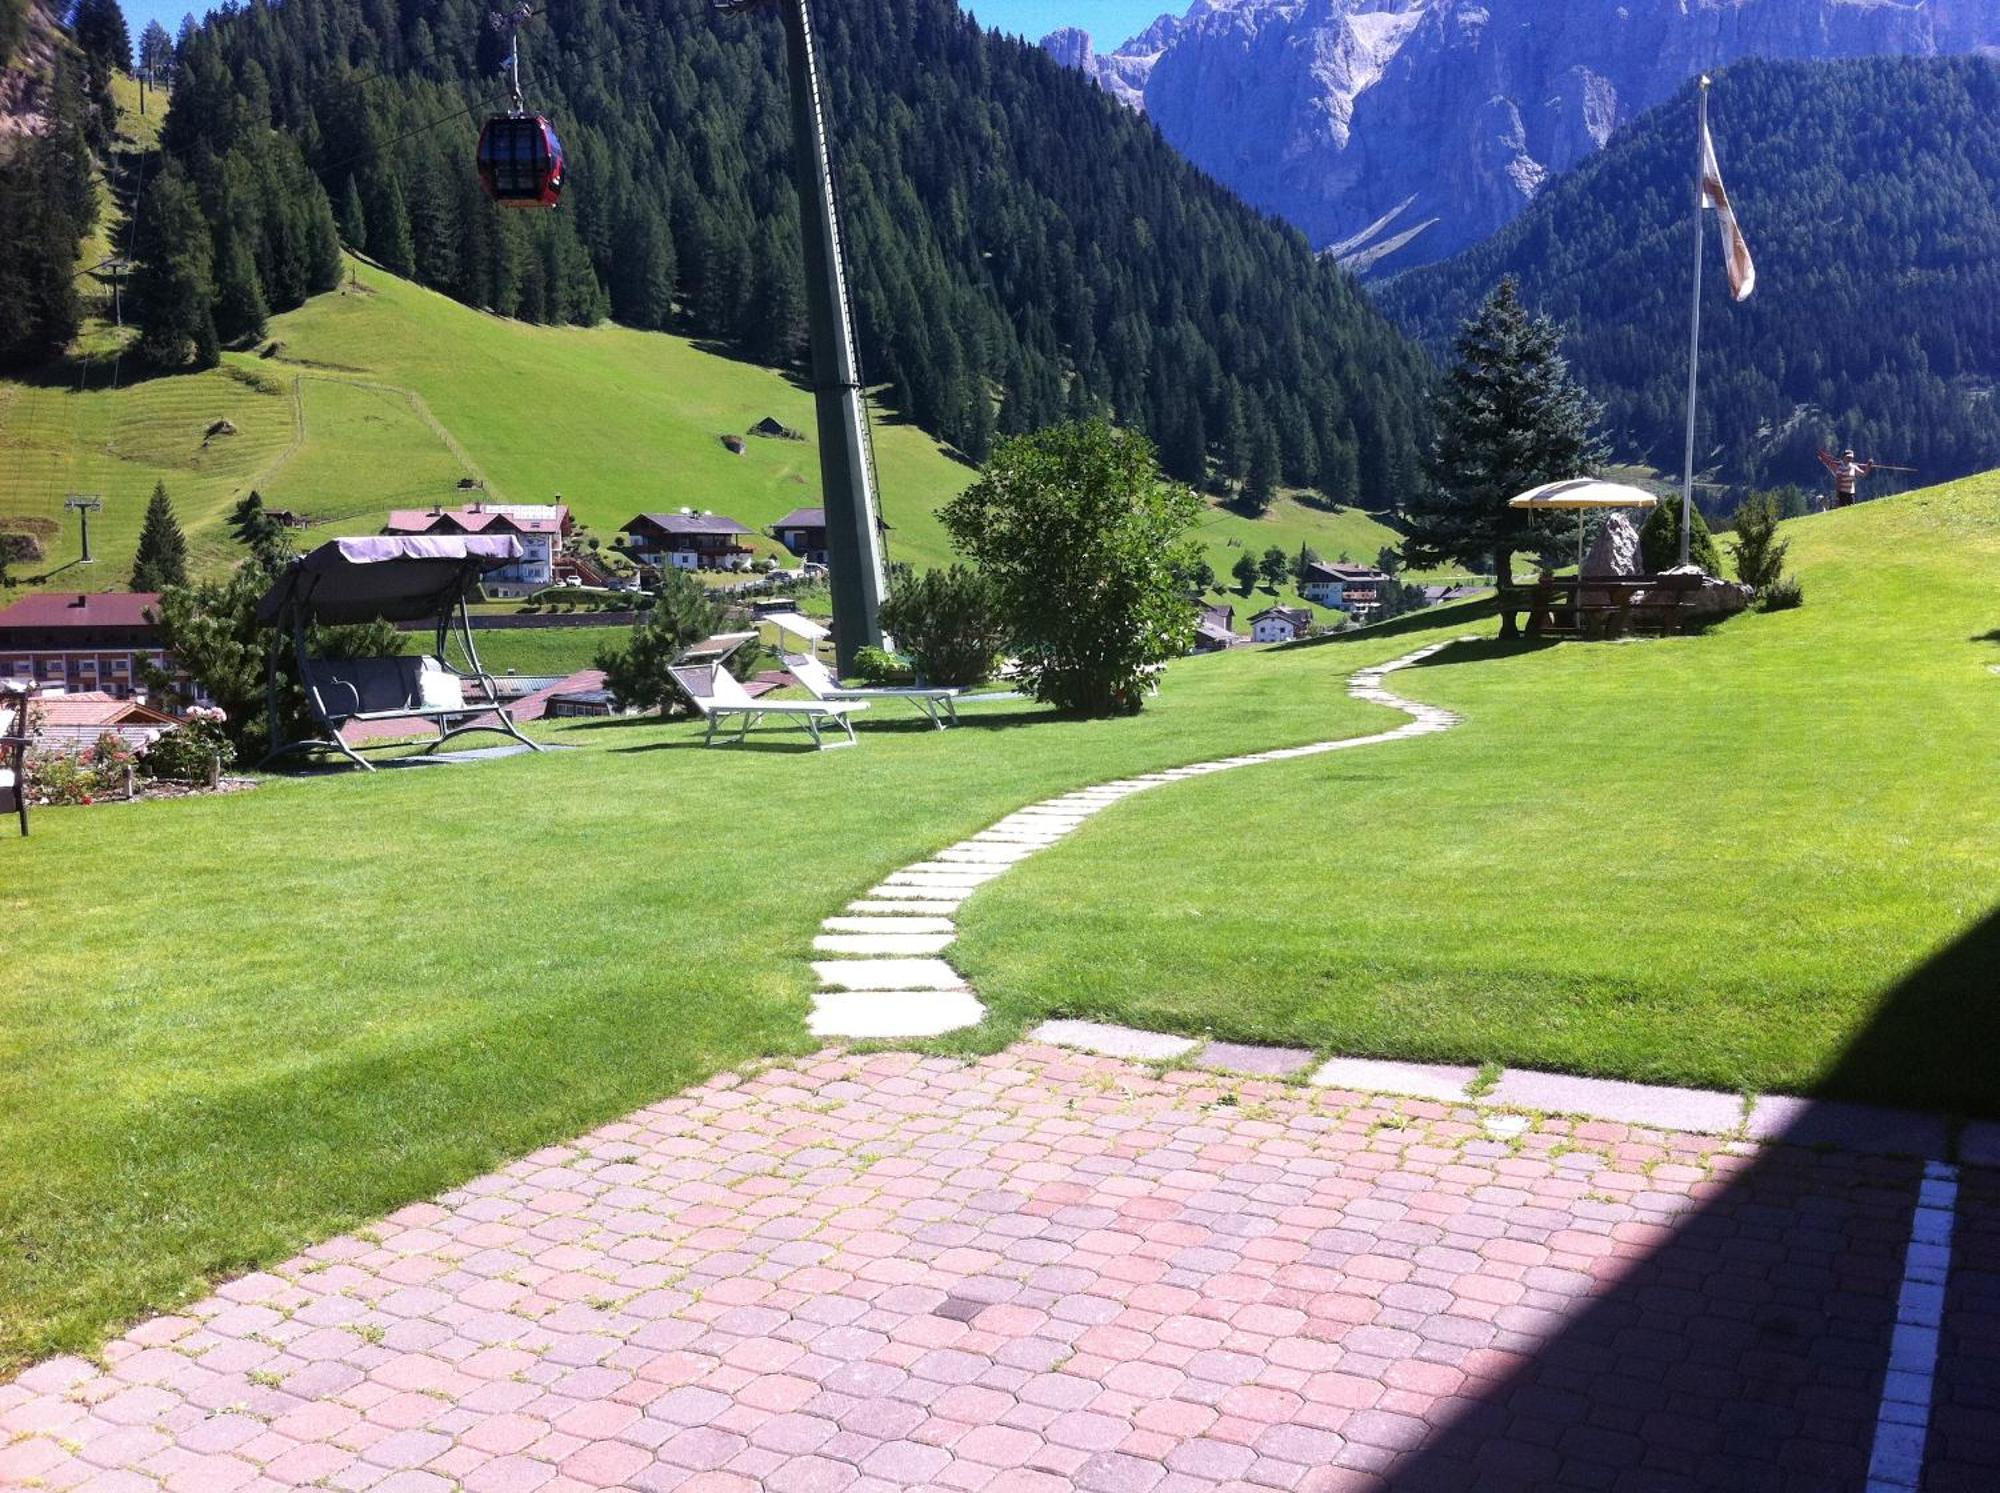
(173, 297)
(100, 30)
(389, 241)
(1510, 417)
(239, 299)
(1260, 487)
(352, 218)
(156, 51)
(162, 561)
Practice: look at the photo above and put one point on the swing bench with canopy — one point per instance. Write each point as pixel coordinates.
(397, 578)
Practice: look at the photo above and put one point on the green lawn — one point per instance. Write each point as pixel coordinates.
(238, 1024)
(543, 650)
(1724, 860)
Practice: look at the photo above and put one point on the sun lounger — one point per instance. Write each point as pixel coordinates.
(940, 704)
(713, 691)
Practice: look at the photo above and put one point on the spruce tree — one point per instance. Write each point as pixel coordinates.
(1260, 487)
(1510, 417)
(173, 294)
(352, 218)
(162, 559)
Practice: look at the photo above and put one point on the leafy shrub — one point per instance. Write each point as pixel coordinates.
(68, 778)
(1082, 540)
(191, 751)
(950, 624)
(875, 666)
(1782, 595)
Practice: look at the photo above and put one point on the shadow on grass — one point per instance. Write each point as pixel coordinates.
(1744, 1343)
(1458, 613)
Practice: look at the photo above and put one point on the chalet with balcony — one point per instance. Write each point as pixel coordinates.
(688, 540)
(1355, 589)
(1280, 624)
(803, 532)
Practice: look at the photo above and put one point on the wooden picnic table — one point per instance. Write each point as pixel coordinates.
(1607, 606)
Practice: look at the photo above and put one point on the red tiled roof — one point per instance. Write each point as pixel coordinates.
(81, 609)
(94, 708)
(469, 521)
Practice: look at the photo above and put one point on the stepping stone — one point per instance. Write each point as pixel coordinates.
(940, 896)
(941, 873)
(1847, 1127)
(888, 974)
(894, 1014)
(912, 924)
(970, 854)
(1113, 1041)
(882, 943)
(874, 905)
(1418, 1080)
(1265, 1062)
(1608, 1099)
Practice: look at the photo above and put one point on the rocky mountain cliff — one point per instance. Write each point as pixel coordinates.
(1396, 132)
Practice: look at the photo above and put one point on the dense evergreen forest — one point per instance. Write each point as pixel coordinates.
(1022, 247)
(1870, 194)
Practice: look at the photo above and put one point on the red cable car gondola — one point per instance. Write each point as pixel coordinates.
(521, 161)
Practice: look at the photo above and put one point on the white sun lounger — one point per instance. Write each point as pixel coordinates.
(940, 704)
(714, 692)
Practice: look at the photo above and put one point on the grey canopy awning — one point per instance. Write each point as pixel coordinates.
(394, 578)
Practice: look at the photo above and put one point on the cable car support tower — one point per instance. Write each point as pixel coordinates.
(846, 467)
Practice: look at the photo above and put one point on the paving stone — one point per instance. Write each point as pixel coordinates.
(882, 943)
(1373, 1076)
(975, 853)
(909, 923)
(888, 974)
(885, 906)
(1609, 1099)
(1849, 1127)
(893, 1013)
(903, 891)
(1113, 1041)
(1269, 1062)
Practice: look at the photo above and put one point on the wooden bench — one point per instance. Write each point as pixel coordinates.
(1607, 606)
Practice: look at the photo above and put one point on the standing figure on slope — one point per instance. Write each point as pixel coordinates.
(1846, 473)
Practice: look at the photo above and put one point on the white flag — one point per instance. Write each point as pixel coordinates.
(1735, 251)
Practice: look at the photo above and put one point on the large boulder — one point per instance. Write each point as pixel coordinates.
(1711, 597)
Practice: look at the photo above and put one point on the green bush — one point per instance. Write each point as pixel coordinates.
(684, 612)
(875, 666)
(1782, 595)
(190, 751)
(1758, 552)
(950, 624)
(1660, 540)
(1083, 541)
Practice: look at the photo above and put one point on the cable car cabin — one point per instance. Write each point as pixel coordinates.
(521, 161)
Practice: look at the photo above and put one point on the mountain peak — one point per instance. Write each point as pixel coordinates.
(1399, 131)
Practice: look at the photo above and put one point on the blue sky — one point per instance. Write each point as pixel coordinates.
(1108, 21)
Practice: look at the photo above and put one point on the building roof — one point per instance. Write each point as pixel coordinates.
(1320, 570)
(479, 518)
(1299, 616)
(94, 708)
(815, 518)
(81, 609)
(688, 523)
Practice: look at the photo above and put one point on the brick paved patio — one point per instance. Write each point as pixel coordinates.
(1039, 1271)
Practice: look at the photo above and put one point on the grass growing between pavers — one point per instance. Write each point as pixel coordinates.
(235, 1025)
(1729, 861)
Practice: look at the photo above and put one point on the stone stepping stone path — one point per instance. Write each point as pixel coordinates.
(886, 976)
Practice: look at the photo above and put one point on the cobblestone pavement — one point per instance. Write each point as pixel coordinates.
(1044, 1270)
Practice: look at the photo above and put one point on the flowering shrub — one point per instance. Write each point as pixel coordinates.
(189, 752)
(79, 777)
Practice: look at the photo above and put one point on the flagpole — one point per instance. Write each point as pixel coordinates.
(1694, 326)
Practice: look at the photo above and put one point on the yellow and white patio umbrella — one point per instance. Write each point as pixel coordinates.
(1583, 493)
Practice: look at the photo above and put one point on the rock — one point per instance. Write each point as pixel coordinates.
(1615, 551)
(734, 444)
(1713, 598)
(1396, 132)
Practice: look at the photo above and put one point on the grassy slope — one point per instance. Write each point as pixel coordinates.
(1708, 860)
(237, 1024)
(384, 395)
